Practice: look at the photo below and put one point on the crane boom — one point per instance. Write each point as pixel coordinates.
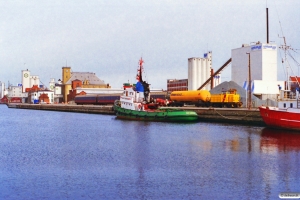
(218, 71)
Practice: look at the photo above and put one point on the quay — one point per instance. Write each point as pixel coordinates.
(226, 115)
(65, 108)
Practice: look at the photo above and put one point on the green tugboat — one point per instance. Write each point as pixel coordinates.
(136, 104)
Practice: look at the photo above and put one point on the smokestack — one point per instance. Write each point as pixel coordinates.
(267, 25)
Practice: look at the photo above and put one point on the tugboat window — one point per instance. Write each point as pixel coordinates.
(284, 105)
(291, 105)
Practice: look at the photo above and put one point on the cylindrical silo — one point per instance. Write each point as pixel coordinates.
(203, 72)
(190, 64)
(195, 70)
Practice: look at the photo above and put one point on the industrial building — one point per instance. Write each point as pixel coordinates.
(177, 85)
(257, 63)
(30, 90)
(16, 91)
(29, 81)
(82, 80)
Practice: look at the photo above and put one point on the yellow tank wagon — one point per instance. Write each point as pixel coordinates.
(228, 99)
(196, 97)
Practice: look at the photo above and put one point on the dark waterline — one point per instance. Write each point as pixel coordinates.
(60, 155)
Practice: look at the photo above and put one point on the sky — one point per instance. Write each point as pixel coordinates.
(108, 37)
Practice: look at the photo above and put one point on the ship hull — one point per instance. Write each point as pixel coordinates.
(280, 118)
(160, 115)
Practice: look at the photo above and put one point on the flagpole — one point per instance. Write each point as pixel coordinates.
(246, 94)
(249, 85)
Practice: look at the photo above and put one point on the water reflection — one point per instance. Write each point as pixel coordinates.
(281, 140)
(141, 156)
(243, 142)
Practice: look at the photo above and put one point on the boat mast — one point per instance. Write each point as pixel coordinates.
(284, 47)
(140, 69)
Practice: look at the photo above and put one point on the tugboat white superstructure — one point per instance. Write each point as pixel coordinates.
(135, 104)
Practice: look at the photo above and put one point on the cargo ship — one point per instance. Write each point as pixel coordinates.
(136, 104)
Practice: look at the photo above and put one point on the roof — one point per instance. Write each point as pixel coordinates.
(294, 78)
(91, 77)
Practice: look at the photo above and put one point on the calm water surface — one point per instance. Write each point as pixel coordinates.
(61, 155)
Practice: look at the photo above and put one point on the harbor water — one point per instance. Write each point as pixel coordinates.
(64, 155)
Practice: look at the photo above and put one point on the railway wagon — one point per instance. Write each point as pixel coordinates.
(204, 98)
(195, 97)
(96, 99)
(85, 99)
(107, 99)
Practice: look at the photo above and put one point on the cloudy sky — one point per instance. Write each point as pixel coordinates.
(108, 37)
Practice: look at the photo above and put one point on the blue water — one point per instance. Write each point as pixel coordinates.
(61, 155)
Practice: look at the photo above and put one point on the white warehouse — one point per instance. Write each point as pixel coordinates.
(263, 66)
(28, 81)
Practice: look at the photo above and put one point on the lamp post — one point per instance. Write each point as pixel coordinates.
(249, 84)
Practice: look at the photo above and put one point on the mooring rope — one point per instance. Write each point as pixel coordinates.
(231, 117)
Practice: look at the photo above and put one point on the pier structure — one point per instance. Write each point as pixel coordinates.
(224, 115)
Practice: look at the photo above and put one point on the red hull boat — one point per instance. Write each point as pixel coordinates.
(279, 118)
(286, 115)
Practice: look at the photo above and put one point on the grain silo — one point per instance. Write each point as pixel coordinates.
(199, 71)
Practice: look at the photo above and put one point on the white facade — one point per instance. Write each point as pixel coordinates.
(16, 91)
(52, 84)
(263, 68)
(263, 63)
(57, 93)
(265, 89)
(25, 79)
(199, 70)
(57, 90)
(35, 96)
(49, 93)
(28, 81)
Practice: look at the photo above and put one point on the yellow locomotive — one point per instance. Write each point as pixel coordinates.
(204, 98)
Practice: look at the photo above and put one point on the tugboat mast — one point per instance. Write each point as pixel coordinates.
(140, 69)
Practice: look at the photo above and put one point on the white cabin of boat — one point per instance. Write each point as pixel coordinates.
(132, 100)
(288, 99)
